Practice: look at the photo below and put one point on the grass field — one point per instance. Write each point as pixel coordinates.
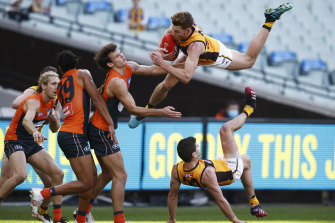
(290, 214)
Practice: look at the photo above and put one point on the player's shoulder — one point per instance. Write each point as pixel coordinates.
(133, 65)
(116, 83)
(32, 102)
(83, 73)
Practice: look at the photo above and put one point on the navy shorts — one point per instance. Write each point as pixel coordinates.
(73, 145)
(28, 147)
(102, 145)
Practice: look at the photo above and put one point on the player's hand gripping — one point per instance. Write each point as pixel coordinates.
(169, 112)
(156, 58)
(112, 135)
(38, 137)
(165, 53)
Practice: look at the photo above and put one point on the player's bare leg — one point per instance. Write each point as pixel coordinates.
(43, 161)
(227, 130)
(41, 212)
(248, 186)
(6, 170)
(17, 162)
(103, 179)
(248, 59)
(114, 164)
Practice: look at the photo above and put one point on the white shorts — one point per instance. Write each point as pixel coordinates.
(236, 166)
(225, 57)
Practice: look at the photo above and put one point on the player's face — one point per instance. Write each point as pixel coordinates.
(51, 87)
(179, 33)
(197, 150)
(119, 60)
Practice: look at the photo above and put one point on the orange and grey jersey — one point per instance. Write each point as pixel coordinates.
(16, 130)
(75, 102)
(193, 177)
(113, 104)
(212, 46)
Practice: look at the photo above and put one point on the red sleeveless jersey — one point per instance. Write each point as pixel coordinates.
(16, 131)
(113, 104)
(75, 103)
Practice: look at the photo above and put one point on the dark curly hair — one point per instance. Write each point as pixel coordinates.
(101, 57)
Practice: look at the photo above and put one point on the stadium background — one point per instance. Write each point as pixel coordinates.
(292, 148)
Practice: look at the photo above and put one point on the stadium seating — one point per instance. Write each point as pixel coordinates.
(303, 37)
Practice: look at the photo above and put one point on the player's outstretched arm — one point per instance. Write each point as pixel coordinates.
(31, 107)
(54, 118)
(146, 70)
(17, 101)
(150, 70)
(98, 101)
(210, 181)
(184, 74)
(173, 195)
(118, 88)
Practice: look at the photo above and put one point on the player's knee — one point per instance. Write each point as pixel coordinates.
(246, 161)
(20, 178)
(47, 182)
(121, 176)
(58, 176)
(225, 128)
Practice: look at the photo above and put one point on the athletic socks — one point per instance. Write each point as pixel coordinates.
(253, 200)
(81, 217)
(42, 210)
(90, 206)
(268, 25)
(58, 212)
(119, 217)
(248, 110)
(48, 192)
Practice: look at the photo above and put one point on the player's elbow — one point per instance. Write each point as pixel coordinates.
(15, 105)
(250, 62)
(187, 78)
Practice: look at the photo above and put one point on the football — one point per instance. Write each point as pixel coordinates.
(169, 43)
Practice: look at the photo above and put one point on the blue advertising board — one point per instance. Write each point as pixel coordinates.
(283, 155)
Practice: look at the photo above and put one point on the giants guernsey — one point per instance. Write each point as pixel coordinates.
(75, 103)
(193, 177)
(113, 104)
(212, 46)
(16, 131)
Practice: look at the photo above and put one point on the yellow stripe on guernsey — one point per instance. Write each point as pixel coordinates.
(33, 87)
(212, 46)
(193, 177)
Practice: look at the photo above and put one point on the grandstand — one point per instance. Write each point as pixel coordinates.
(295, 68)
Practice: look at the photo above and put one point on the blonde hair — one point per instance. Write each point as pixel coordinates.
(43, 79)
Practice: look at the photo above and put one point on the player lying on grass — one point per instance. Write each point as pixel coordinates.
(212, 174)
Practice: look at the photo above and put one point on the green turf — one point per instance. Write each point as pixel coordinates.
(289, 214)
